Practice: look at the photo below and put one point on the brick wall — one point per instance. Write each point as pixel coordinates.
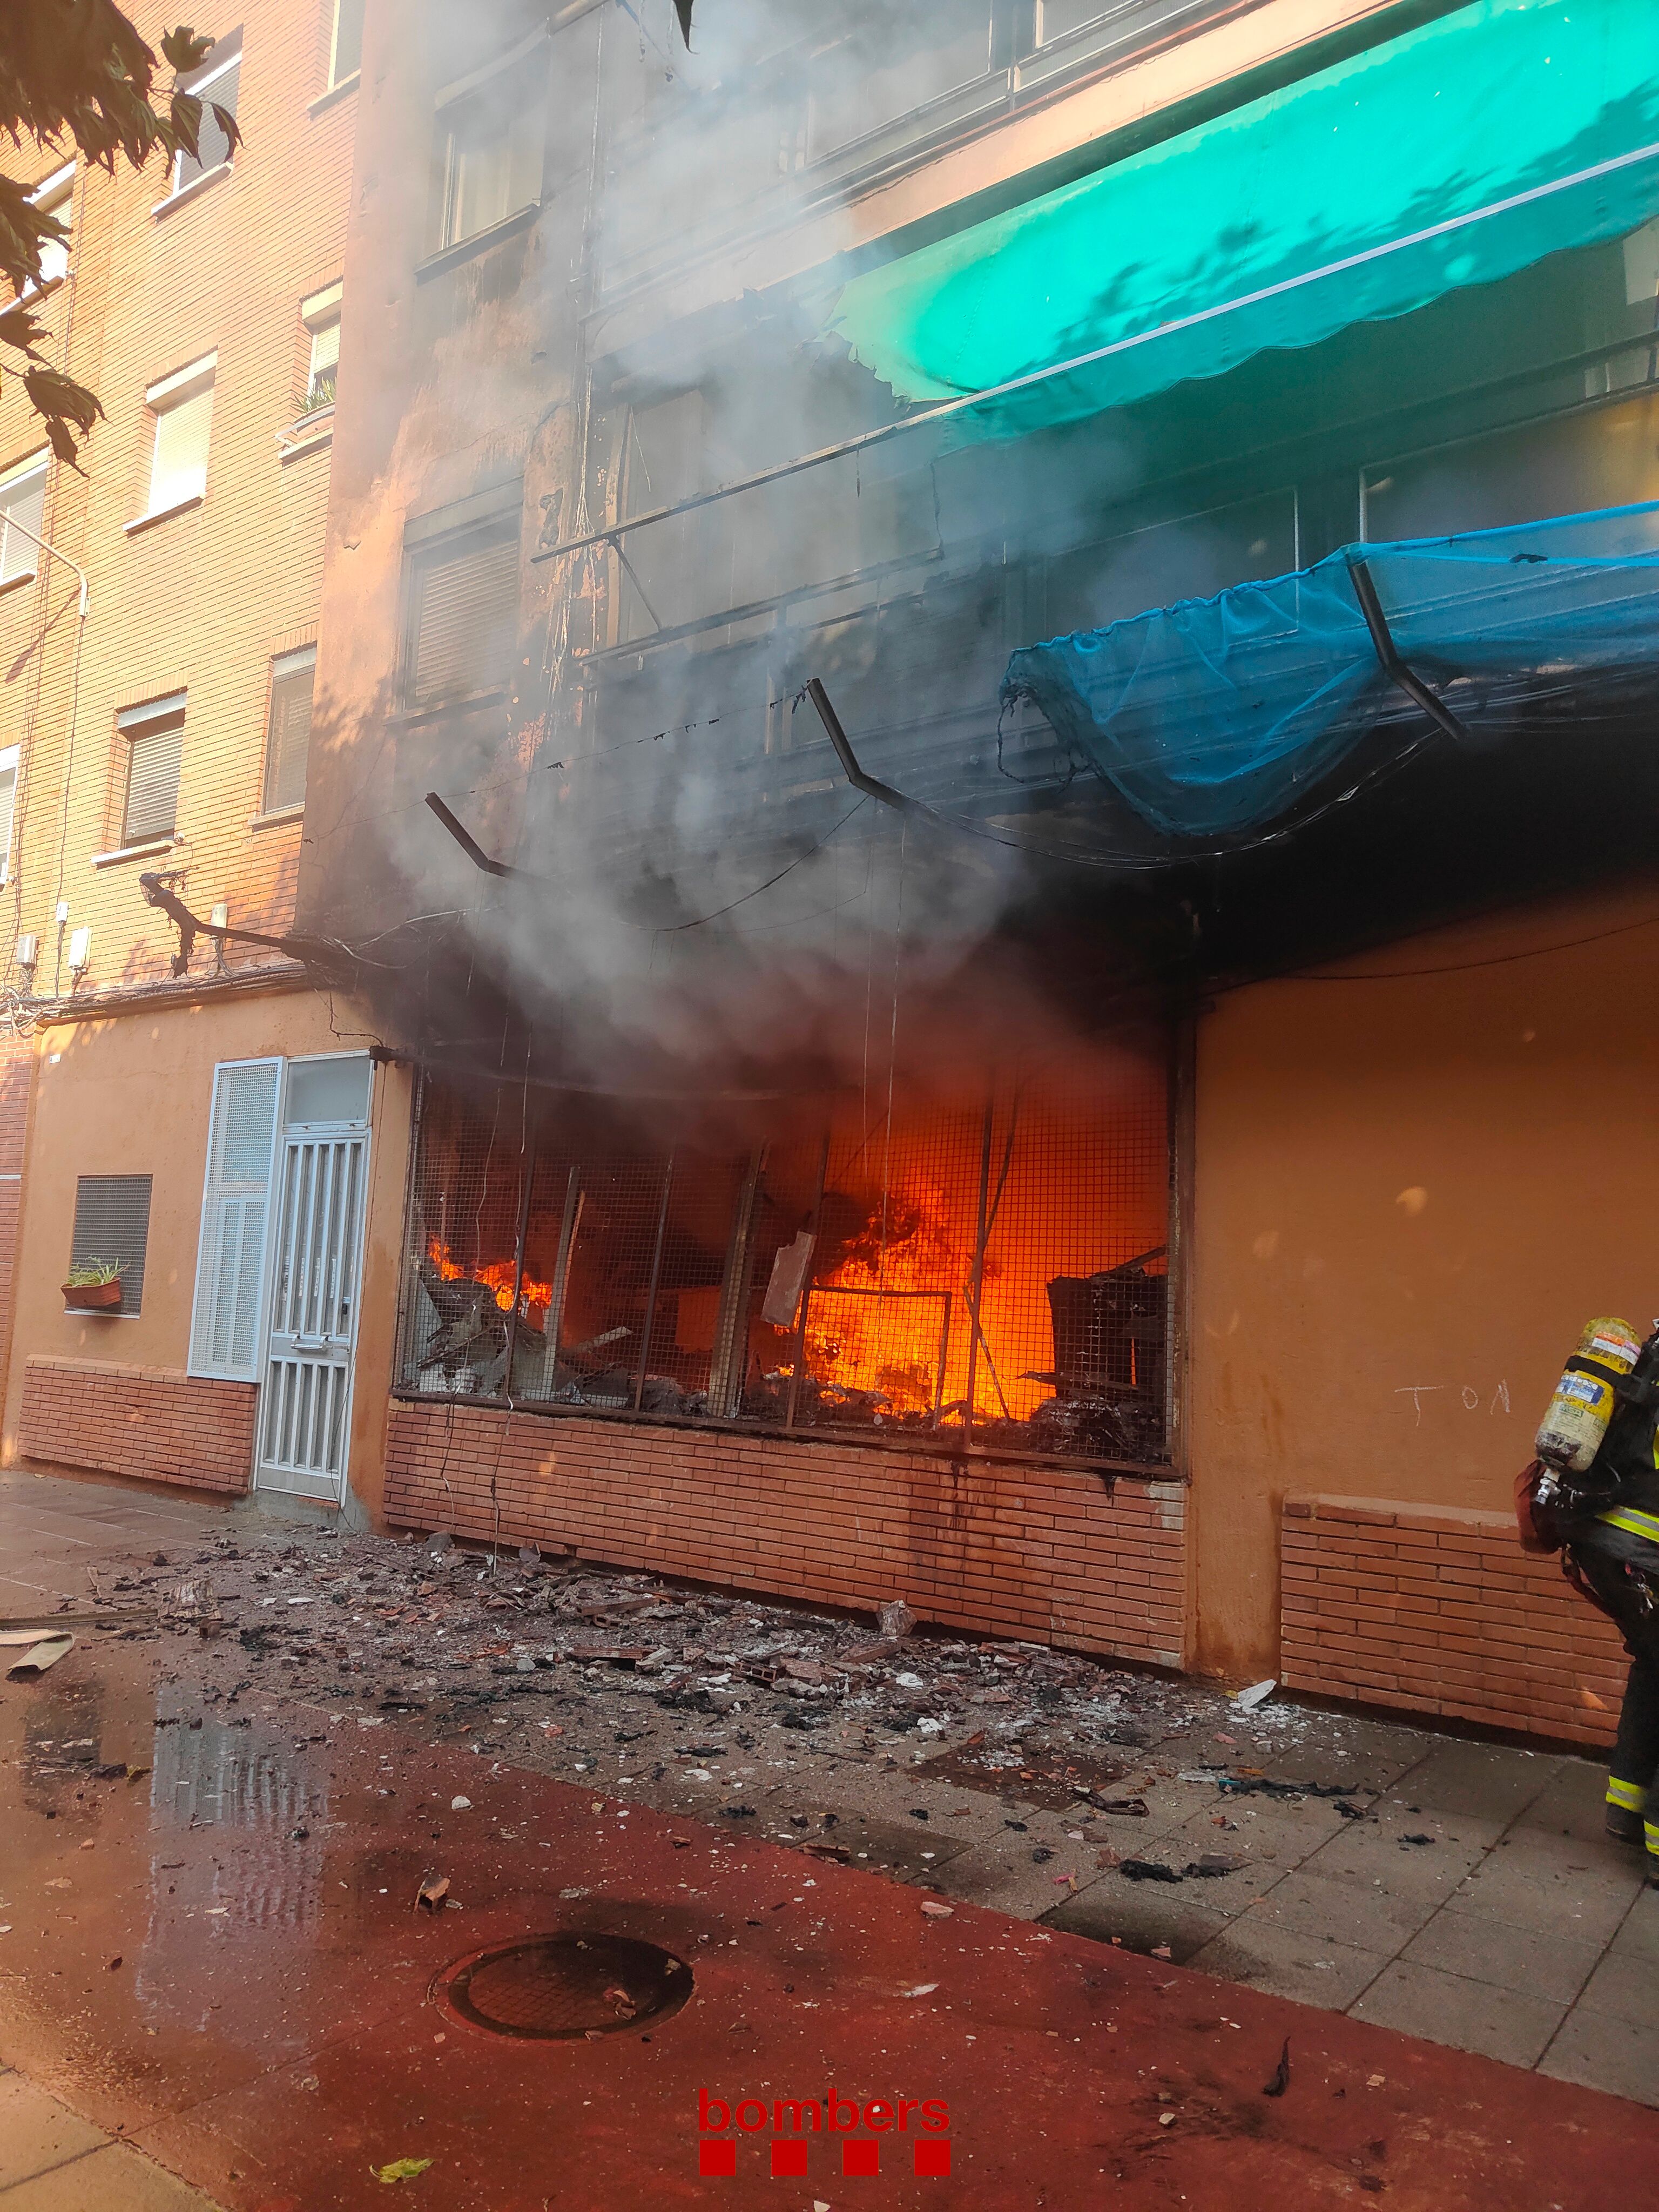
(1439, 1610)
(155, 1422)
(1039, 1553)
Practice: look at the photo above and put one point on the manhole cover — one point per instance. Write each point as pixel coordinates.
(554, 1986)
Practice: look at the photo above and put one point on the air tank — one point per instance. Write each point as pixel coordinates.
(1570, 1433)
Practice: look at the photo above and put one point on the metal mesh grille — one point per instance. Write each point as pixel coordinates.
(991, 1269)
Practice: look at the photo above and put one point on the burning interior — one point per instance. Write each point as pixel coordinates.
(992, 1271)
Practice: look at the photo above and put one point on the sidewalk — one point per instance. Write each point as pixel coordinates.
(52, 2162)
(1475, 1903)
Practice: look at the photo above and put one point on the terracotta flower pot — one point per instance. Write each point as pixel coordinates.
(91, 1298)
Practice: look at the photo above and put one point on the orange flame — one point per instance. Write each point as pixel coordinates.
(496, 1277)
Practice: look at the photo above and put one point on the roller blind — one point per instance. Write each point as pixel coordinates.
(212, 146)
(22, 501)
(289, 739)
(462, 616)
(178, 463)
(155, 744)
(230, 1259)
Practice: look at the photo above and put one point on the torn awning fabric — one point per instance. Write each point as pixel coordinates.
(1213, 717)
(1453, 156)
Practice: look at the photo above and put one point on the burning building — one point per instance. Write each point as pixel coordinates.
(960, 949)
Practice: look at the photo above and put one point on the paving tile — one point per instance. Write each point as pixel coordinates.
(1622, 1986)
(1573, 1803)
(116, 2179)
(1639, 1932)
(1289, 1963)
(1482, 1949)
(1343, 1911)
(37, 2132)
(1374, 1854)
(1010, 1879)
(1138, 1922)
(1558, 1887)
(1600, 2051)
(1478, 1781)
(1469, 2015)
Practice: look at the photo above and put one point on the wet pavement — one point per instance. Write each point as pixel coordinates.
(213, 1947)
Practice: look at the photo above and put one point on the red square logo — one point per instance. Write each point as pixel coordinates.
(860, 2158)
(933, 2158)
(716, 2157)
(788, 2158)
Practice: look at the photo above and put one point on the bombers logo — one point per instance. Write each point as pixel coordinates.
(788, 2123)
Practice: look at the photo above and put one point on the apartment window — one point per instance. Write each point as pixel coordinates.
(461, 613)
(215, 86)
(55, 197)
(22, 519)
(182, 405)
(487, 158)
(346, 57)
(154, 735)
(7, 807)
(321, 314)
(112, 1223)
(288, 735)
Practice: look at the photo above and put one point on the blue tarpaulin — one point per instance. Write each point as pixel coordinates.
(1213, 716)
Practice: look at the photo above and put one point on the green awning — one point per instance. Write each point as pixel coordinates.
(1458, 154)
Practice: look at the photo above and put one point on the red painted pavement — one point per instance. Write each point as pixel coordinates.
(272, 2034)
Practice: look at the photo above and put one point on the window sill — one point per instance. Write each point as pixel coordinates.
(16, 583)
(163, 513)
(335, 95)
(307, 434)
(411, 717)
(277, 816)
(464, 249)
(148, 851)
(192, 191)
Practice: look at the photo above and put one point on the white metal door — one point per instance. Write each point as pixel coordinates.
(306, 1403)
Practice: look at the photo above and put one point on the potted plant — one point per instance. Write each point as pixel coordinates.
(93, 1287)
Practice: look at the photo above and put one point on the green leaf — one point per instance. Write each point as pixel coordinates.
(52, 394)
(19, 328)
(185, 49)
(226, 123)
(401, 2169)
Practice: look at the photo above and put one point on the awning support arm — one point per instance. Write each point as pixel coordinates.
(474, 851)
(157, 893)
(869, 784)
(1387, 655)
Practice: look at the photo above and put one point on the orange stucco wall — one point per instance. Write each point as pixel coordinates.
(132, 1095)
(1410, 1194)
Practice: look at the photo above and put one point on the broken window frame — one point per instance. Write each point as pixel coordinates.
(740, 1283)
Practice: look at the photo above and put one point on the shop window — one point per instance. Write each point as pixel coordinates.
(461, 609)
(287, 734)
(23, 519)
(111, 1228)
(154, 735)
(994, 1272)
(216, 84)
(489, 149)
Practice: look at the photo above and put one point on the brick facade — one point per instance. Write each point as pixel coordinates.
(1439, 1610)
(1039, 1552)
(154, 1422)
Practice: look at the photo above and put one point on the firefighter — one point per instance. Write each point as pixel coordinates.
(1593, 1494)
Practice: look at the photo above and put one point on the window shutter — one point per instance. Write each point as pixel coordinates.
(213, 148)
(155, 744)
(178, 468)
(111, 1221)
(289, 736)
(8, 806)
(347, 40)
(465, 614)
(230, 1260)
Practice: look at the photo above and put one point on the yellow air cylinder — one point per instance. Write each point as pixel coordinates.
(1570, 1433)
